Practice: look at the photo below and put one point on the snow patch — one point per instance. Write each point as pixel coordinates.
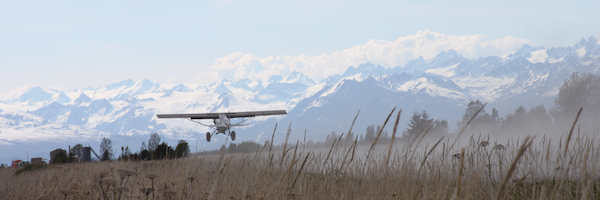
(429, 88)
(554, 60)
(333, 89)
(266, 97)
(445, 72)
(485, 87)
(581, 52)
(586, 62)
(530, 83)
(313, 90)
(253, 84)
(538, 56)
(316, 103)
(552, 93)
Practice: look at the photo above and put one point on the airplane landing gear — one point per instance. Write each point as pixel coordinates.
(208, 136)
(232, 134)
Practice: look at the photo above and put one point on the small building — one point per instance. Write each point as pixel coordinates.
(37, 161)
(17, 163)
(54, 155)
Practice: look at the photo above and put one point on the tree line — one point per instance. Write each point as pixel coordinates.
(154, 150)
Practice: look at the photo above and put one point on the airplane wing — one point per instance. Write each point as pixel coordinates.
(229, 114)
(190, 116)
(255, 113)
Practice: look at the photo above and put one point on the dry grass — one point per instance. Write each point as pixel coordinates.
(474, 173)
(518, 169)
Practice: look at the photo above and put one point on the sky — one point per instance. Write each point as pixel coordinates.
(75, 44)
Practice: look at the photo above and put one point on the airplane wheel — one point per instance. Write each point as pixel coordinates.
(232, 135)
(208, 136)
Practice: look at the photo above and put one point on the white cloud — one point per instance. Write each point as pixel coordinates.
(386, 53)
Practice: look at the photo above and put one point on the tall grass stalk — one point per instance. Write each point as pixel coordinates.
(513, 166)
(571, 131)
(393, 138)
(379, 134)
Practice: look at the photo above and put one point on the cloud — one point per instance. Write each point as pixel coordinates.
(386, 53)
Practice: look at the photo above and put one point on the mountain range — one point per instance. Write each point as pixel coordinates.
(37, 120)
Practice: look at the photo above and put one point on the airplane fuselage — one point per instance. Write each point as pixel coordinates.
(222, 124)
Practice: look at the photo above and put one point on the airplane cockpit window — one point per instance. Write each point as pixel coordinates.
(217, 121)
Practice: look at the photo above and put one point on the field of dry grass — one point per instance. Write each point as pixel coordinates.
(520, 169)
(434, 168)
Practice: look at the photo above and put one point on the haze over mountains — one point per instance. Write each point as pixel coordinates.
(37, 120)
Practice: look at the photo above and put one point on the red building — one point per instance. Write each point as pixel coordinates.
(17, 163)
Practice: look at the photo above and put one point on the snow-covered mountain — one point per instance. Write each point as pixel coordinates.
(443, 85)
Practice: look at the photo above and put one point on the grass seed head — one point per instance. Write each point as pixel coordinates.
(499, 147)
(484, 143)
(457, 156)
(191, 179)
(125, 173)
(152, 176)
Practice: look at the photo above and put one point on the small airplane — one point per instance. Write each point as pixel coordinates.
(222, 122)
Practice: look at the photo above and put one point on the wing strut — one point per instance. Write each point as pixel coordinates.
(202, 123)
